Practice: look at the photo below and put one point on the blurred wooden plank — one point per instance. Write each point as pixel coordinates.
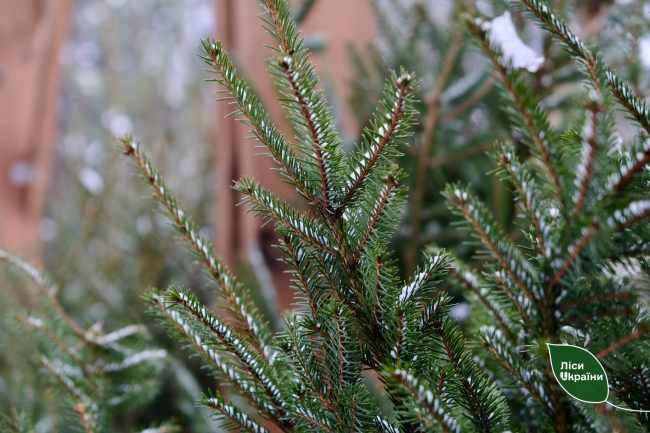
(31, 33)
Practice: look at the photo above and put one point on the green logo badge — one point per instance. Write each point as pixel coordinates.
(579, 373)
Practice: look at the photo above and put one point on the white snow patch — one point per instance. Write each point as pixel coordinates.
(504, 34)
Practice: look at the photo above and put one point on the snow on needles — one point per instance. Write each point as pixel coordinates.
(503, 33)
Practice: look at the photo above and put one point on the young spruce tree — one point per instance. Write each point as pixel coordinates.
(353, 313)
(582, 274)
(96, 375)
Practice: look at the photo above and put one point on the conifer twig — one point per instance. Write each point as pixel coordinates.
(80, 411)
(434, 408)
(525, 190)
(514, 301)
(249, 106)
(582, 243)
(46, 288)
(403, 89)
(515, 373)
(493, 312)
(460, 203)
(233, 343)
(209, 354)
(383, 200)
(589, 151)
(593, 299)
(640, 332)
(230, 290)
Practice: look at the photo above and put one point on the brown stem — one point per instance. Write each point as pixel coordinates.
(630, 222)
(316, 143)
(430, 126)
(80, 411)
(592, 299)
(515, 373)
(484, 301)
(470, 102)
(578, 319)
(640, 332)
(594, 109)
(569, 261)
(444, 160)
(403, 89)
(611, 418)
(495, 252)
(380, 206)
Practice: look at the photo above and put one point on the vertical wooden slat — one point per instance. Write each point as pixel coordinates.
(31, 33)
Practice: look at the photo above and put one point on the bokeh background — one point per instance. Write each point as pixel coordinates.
(74, 74)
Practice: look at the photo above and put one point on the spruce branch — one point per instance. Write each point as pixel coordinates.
(253, 363)
(73, 354)
(307, 106)
(80, 411)
(46, 288)
(249, 106)
(640, 332)
(385, 196)
(517, 301)
(593, 299)
(589, 146)
(264, 203)
(242, 309)
(182, 328)
(61, 372)
(436, 413)
(508, 356)
(470, 281)
(575, 252)
(621, 91)
(493, 238)
(236, 419)
(479, 397)
(527, 193)
(353, 309)
(389, 128)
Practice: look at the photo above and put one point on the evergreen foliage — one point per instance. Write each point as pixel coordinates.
(353, 313)
(578, 275)
(96, 374)
(461, 113)
(581, 275)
